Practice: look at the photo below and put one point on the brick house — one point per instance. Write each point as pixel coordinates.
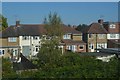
(113, 35)
(95, 35)
(72, 40)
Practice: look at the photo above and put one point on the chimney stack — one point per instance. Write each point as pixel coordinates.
(100, 21)
(17, 23)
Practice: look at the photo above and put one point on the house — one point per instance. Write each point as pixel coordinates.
(9, 44)
(113, 35)
(72, 40)
(27, 39)
(95, 35)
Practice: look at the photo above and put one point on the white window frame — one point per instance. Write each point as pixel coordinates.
(112, 35)
(25, 37)
(66, 36)
(35, 37)
(112, 26)
(91, 46)
(80, 46)
(101, 36)
(12, 39)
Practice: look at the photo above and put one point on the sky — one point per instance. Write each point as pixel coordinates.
(60, 0)
(73, 13)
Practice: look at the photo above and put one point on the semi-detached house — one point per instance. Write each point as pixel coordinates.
(113, 35)
(95, 35)
(27, 39)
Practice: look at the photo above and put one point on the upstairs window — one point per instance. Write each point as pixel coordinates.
(25, 38)
(90, 35)
(67, 36)
(112, 36)
(112, 26)
(35, 37)
(101, 36)
(12, 39)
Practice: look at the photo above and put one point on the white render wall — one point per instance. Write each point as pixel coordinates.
(117, 36)
(31, 43)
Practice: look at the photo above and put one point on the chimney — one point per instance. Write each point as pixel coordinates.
(17, 23)
(100, 21)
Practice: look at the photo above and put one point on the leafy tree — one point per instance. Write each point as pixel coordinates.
(3, 22)
(49, 52)
(53, 25)
(7, 69)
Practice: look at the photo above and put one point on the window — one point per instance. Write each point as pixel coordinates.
(81, 47)
(25, 37)
(2, 51)
(90, 35)
(112, 36)
(36, 49)
(35, 37)
(101, 45)
(101, 36)
(12, 39)
(112, 25)
(90, 46)
(67, 36)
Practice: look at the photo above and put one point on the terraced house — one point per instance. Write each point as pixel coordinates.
(27, 39)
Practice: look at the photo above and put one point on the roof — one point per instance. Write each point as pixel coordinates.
(112, 30)
(14, 31)
(67, 29)
(32, 30)
(67, 41)
(25, 64)
(95, 28)
(96, 54)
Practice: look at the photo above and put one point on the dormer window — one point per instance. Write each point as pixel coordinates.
(112, 26)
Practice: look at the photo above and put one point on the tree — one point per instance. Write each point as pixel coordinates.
(7, 69)
(3, 22)
(81, 27)
(53, 25)
(49, 51)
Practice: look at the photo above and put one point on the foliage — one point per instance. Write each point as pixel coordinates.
(53, 25)
(69, 65)
(81, 27)
(7, 69)
(48, 53)
(4, 23)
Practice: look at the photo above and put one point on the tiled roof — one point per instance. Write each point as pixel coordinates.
(67, 29)
(95, 28)
(25, 64)
(32, 30)
(67, 41)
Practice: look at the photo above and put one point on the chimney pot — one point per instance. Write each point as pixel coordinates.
(100, 21)
(17, 23)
